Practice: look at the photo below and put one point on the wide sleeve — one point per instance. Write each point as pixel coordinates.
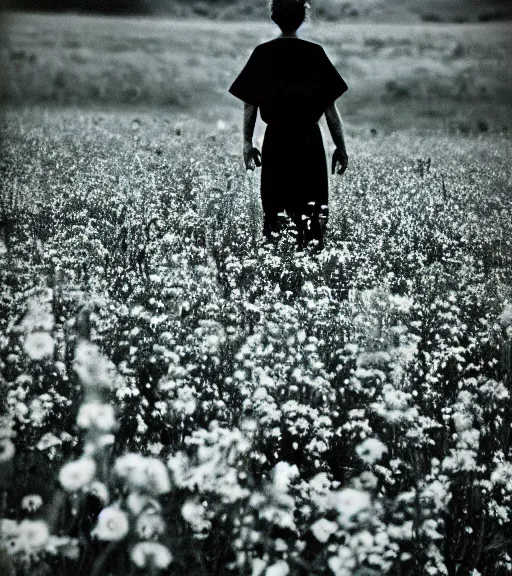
(329, 82)
(248, 84)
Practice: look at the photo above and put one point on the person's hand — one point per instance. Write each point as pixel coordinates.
(252, 157)
(339, 157)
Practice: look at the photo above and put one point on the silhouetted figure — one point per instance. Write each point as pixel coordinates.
(293, 83)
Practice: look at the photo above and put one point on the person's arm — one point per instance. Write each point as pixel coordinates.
(252, 156)
(336, 129)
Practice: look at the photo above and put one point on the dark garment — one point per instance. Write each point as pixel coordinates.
(292, 81)
(294, 180)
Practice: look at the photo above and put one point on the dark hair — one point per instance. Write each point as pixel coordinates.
(289, 14)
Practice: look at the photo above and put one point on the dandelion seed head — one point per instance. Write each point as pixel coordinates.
(77, 474)
(39, 345)
(112, 525)
(33, 534)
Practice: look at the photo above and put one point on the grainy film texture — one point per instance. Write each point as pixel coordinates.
(181, 396)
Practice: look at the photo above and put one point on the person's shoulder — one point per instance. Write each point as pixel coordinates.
(270, 45)
(311, 44)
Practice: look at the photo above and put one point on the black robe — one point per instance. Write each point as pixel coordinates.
(292, 82)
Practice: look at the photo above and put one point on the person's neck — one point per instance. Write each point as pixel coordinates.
(289, 34)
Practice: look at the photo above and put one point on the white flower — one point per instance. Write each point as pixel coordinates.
(283, 473)
(149, 524)
(93, 369)
(8, 528)
(322, 529)
(193, 512)
(366, 480)
(151, 554)
(64, 546)
(112, 525)
(260, 393)
(185, 403)
(462, 421)
(403, 531)
(343, 563)
(258, 565)
(33, 534)
(32, 502)
(7, 450)
(371, 450)
(138, 502)
(39, 345)
(96, 415)
(48, 441)
(151, 475)
(505, 318)
(126, 464)
(349, 502)
(280, 568)
(155, 448)
(10, 536)
(39, 315)
(77, 474)
(502, 474)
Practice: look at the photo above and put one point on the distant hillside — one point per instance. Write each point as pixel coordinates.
(369, 10)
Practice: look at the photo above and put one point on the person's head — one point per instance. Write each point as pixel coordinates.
(289, 14)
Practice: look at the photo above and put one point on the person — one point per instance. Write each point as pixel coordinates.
(293, 84)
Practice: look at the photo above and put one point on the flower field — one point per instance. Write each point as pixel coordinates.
(180, 398)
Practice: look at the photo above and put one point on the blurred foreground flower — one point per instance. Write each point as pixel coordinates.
(323, 529)
(34, 534)
(349, 502)
(112, 525)
(150, 524)
(151, 555)
(77, 474)
(39, 345)
(280, 568)
(96, 415)
(7, 450)
(143, 474)
(505, 318)
(93, 369)
(283, 473)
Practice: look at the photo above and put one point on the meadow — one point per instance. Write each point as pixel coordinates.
(399, 75)
(181, 398)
